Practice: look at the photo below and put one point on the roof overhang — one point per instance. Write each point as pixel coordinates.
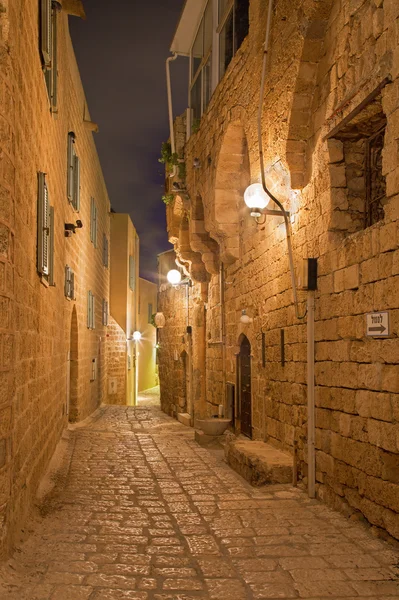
(187, 26)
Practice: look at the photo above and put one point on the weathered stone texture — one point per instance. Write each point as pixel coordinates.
(325, 59)
(38, 325)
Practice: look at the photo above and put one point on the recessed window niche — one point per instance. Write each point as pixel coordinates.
(358, 190)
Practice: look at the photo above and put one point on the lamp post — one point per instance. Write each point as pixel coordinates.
(136, 338)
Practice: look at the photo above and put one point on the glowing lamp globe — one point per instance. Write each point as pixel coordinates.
(256, 199)
(136, 336)
(174, 277)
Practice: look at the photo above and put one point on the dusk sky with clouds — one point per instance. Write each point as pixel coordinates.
(121, 51)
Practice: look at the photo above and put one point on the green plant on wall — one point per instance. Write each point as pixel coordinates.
(168, 198)
(171, 159)
(168, 158)
(196, 125)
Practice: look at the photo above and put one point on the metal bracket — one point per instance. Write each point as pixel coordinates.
(276, 213)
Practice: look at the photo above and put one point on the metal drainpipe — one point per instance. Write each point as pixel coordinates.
(222, 332)
(170, 109)
(310, 352)
(311, 397)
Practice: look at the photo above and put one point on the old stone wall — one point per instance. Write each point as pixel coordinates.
(40, 328)
(332, 70)
(116, 363)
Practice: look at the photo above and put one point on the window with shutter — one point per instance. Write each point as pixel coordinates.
(45, 231)
(93, 223)
(91, 321)
(105, 312)
(71, 166)
(69, 283)
(105, 250)
(48, 47)
(45, 32)
(51, 247)
(76, 183)
(132, 273)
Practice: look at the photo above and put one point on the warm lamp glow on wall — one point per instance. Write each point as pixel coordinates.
(256, 199)
(174, 277)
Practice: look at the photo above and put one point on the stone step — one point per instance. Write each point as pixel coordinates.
(259, 463)
(184, 418)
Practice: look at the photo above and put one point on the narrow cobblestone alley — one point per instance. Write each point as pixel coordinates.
(141, 512)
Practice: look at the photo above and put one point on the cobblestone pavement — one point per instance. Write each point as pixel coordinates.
(141, 512)
(149, 397)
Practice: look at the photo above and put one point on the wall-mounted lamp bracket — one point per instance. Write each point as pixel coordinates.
(276, 213)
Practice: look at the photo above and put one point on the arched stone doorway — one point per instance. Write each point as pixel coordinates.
(244, 387)
(73, 370)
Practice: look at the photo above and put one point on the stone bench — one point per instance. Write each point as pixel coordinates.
(257, 462)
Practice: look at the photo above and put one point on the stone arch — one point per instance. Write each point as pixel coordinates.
(232, 177)
(313, 20)
(200, 239)
(187, 254)
(74, 367)
(174, 213)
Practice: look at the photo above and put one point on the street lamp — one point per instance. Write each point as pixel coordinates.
(256, 199)
(136, 336)
(174, 277)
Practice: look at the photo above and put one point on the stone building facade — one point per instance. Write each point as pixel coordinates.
(54, 274)
(147, 368)
(124, 295)
(330, 129)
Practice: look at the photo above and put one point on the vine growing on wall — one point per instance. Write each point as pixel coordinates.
(171, 159)
(168, 198)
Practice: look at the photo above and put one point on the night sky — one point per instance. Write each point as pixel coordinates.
(121, 50)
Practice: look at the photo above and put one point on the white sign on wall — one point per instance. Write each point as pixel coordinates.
(377, 324)
(112, 385)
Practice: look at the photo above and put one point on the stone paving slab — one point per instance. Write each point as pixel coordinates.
(142, 512)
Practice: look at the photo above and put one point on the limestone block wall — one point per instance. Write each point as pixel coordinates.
(333, 70)
(116, 363)
(173, 348)
(40, 329)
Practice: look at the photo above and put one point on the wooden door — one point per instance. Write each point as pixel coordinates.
(245, 387)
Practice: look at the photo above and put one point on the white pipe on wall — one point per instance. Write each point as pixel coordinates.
(170, 109)
(311, 397)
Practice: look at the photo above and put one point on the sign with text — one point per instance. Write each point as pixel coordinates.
(377, 324)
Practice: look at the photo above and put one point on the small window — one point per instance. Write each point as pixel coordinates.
(132, 273)
(73, 175)
(93, 222)
(105, 312)
(201, 72)
(234, 25)
(150, 313)
(91, 317)
(45, 232)
(48, 47)
(358, 187)
(69, 288)
(105, 251)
